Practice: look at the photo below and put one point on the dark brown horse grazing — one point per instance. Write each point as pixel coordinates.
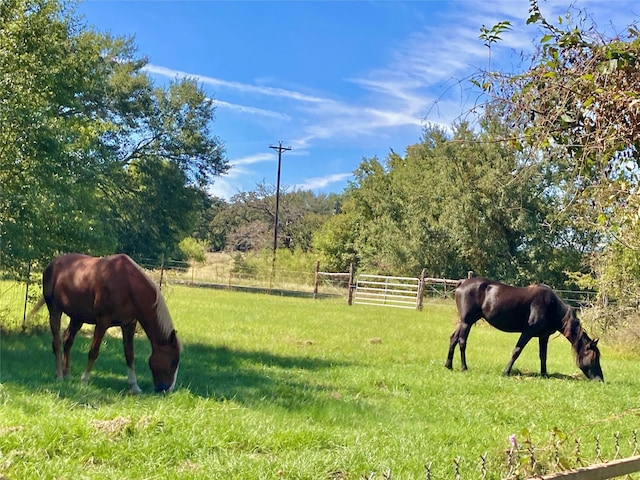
(534, 311)
(107, 292)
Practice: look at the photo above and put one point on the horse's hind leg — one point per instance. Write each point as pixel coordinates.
(94, 351)
(69, 337)
(453, 341)
(459, 337)
(128, 332)
(465, 328)
(54, 322)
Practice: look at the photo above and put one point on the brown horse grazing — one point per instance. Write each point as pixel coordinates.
(534, 311)
(107, 292)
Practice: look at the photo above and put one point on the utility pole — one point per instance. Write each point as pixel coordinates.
(279, 148)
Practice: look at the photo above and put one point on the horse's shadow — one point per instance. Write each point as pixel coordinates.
(515, 373)
(249, 377)
(253, 376)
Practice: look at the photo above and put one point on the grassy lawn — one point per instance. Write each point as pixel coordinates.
(275, 387)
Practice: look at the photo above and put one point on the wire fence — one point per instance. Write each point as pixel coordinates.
(563, 458)
(15, 297)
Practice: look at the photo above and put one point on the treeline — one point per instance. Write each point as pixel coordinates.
(538, 184)
(456, 201)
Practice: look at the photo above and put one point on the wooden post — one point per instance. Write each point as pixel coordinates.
(315, 281)
(161, 269)
(420, 290)
(26, 298)
(351, 285)
(602, 471)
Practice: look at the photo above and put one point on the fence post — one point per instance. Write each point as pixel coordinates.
(351, 285)
(161, 269)
(420, 290)
(26, 298)
(315, 280)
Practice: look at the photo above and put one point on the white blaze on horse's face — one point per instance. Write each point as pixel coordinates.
(173, 384)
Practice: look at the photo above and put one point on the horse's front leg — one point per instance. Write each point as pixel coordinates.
(543, 343)
(522, 342)
(69, 337)
(94, 351)
(128, 332)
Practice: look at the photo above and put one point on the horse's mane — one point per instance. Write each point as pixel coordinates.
(162, 312)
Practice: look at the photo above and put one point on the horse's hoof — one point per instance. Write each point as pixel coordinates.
(448, 365)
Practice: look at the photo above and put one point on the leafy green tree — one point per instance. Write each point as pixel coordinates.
(248, 222)
(156, 211)
(49, 79)
(81, 126)
(334, 241)
(575, 110)
(455, 202)
(206, 230)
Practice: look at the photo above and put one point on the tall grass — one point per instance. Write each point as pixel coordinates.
(276, 387)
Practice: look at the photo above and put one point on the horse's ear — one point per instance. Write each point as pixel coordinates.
(595, 341)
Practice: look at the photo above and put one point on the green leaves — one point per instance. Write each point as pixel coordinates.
(76, 111)
(492, 35)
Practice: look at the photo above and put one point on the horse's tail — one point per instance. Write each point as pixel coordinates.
(37, 307)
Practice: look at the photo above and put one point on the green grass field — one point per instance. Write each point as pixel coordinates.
(276, 387)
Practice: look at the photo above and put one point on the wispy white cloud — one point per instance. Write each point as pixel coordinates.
(257, 158)
(323, 182)
(427, 80)
(223, 188)
(251, 110)
(238, 86)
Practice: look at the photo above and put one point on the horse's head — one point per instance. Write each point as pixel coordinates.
(586, 350)
(588, 359)
(163, 363)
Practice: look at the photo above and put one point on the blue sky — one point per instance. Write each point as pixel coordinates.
(336, 81)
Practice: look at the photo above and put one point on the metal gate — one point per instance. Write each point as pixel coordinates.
(400, 292)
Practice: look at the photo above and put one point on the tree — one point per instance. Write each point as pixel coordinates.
(79, 121)
(248, 222)
(455, 202)
(206, 230)
(156, 211)
(576, 110)
(48, 80)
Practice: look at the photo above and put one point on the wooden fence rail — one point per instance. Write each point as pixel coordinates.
(600, 471)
